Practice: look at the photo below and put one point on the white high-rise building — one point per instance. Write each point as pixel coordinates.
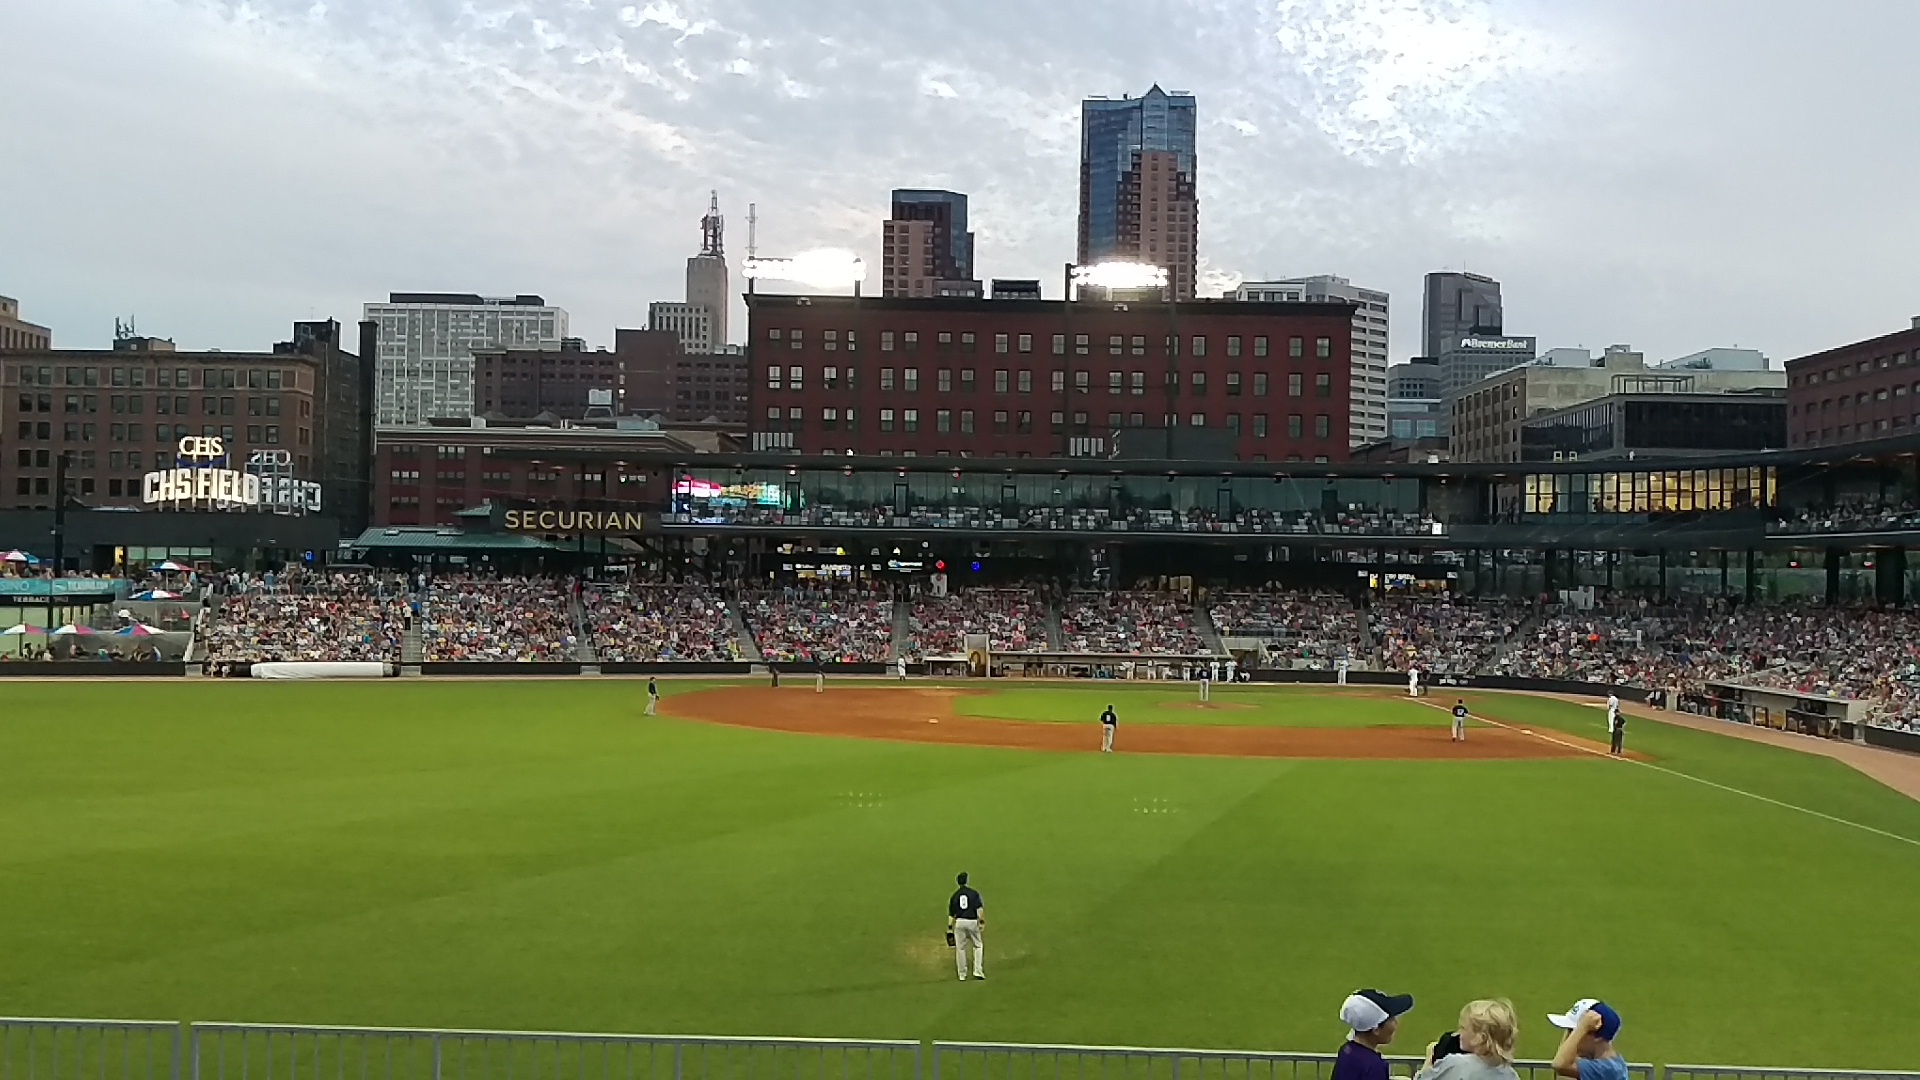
(1368, 382)
(701, 321)
(424, 367)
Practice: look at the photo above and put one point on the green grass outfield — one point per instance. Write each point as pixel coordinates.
(540, 855)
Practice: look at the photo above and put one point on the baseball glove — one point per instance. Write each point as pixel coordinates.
(949, 939)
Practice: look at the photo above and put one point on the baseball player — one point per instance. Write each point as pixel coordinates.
(819, 680)
(966, 915)
(1206, 682)
(1616, 727)
(1460, 720)
(1108, 721)
(1413, 681)
(653, 696)
(1340, 670)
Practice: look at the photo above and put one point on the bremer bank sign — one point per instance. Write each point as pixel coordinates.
(574, 521)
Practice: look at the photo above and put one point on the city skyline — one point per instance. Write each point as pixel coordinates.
(1578, 154)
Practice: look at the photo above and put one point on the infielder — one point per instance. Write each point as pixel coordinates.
(965, 916)
(1108, 721)
(1206, 682)
(653, 696)
(1340, 671)
(819, 680)
(1616, 727)
(1460, 720)
(1413, 682)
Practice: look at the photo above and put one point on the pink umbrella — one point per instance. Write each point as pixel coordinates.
(72, 630)
(21, 630)
(174, 568)
(138, 630)
(16, 555)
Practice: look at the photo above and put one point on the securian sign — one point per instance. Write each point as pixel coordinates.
(574, 521)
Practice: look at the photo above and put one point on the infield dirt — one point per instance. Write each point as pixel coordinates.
(927, 716)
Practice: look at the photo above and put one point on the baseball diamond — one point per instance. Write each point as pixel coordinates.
(545, 855)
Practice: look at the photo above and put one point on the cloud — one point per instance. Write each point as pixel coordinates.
(937, 88)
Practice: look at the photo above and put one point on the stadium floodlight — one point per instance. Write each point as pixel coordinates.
(822, 268)
(1121, 275)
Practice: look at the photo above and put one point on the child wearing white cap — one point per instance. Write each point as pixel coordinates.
(1587, 1051)
(1374, 1018)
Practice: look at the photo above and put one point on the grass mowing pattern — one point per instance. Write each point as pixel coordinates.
(539, 855)
(1229, 706)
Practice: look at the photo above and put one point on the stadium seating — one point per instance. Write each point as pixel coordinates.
(309, 617)
(821, 624)
(498, 620)
(643, 623)
(1014, 620)
(1440, 636)
(1310, 630)
(1141, 623)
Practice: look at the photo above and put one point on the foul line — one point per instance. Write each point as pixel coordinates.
(1683, 776)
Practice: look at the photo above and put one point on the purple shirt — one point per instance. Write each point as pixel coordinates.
(1358, 1061)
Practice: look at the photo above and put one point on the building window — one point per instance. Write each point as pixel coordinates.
(1294, 426)
(886, 419)
(1116, 345)
(1116, 381)
(945, 380)
(1025, 424)
(910, 420)
(1081, 381)
(1026, 381)
(886, 378)
(886, 341)
(966, 380)
(911, 340)
(1295, 384)
(966, 421)
(1323, 385)
(1296, 347)
(966, 341)
(1059, 344)
(1000, 343)
(1233, 423)
(1139, 384)
(1259, 384)
(773, 333)
(944, 341)
(830, 378)
(1259, 425)
(829, 418)
(1198, 419)
(943, 421)
(1000, 422)
(1260, 346)
(793, 340)
(1026, 343)
(1000, 381)
(795, 377)
(910, 379)
(1233, 344)
(1138, 344)
(1199, 384)
(1058, 422)
(1323, 348)
(773, 376)
(1322, 426)
(1233, 384)
(1199, 346)
(1113, 421)
(1080, 343)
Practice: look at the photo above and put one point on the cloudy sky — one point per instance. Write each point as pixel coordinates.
(1671, 174)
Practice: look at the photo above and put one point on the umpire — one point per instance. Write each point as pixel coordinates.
(965, 916)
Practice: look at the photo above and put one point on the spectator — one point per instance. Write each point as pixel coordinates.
(648, 623)
(1587, 1053)
(1129, 623)
(1489, 1030)
(1374, 1018)
(498, 620)
(822, 624)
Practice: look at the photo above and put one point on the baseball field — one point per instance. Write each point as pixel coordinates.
(540, 854)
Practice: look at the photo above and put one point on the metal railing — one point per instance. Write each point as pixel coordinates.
(1028, 1061)
(53, 1049)
(223, 1051)
(1752, 1073)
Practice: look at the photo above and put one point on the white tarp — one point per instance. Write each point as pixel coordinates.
(321, 669)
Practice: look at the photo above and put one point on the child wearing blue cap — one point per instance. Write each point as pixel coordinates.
(1587, 1051)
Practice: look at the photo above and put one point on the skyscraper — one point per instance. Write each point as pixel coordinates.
(1458, 305)
(424, 365)
(925, 247)
(701, 321)
(1138, 201)
(1367, 381)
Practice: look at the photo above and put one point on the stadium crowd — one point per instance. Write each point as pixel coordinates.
(1129, 622)
(1311, 629)
(498, 620)
(306, 616)
(1441, 636)
(1014, 620)
(659, 622)
(819, 624)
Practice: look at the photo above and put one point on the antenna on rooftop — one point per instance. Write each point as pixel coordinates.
(753, 219)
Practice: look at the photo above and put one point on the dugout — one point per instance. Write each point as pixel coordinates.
(1804, 713)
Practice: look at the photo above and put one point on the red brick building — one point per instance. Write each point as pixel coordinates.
(118, 414)
(1034, 378)
(1856, 393)
(427, 475)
